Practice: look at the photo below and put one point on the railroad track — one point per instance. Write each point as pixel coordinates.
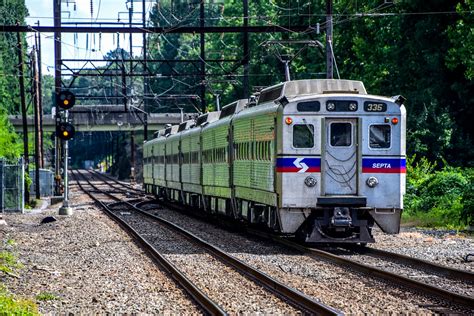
(117, 182)
(451, 297)
(450, 285)
(125, 212)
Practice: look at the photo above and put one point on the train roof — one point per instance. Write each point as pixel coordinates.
(233, 108)
(207, 118)
(291, 89)
(186, 125)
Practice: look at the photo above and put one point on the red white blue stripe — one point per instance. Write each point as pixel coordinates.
(298, 164)
(384, 165)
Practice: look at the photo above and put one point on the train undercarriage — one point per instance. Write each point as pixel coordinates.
(321, 225)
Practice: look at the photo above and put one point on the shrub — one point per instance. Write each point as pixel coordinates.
(439, 197)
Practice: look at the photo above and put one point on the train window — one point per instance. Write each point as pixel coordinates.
(341, 134)
(380, 136)
(309, 106)
(303, 136)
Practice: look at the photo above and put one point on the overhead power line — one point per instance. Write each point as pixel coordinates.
(157, 30)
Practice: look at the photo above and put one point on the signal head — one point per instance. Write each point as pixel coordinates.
(65, 131)
(65, 99)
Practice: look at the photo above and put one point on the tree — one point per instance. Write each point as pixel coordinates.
(10, 143)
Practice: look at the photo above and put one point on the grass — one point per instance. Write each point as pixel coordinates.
(46, 296)
(10, 305)
(9, 262)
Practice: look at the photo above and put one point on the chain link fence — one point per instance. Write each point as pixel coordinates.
(46, 183)
(12, 179)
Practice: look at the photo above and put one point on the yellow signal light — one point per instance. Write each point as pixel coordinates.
(65, 102)
(65, 133)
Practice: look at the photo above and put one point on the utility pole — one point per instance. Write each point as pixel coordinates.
(246, 60)
(145, 80)
(130, 15)
(37, 114)
(57, 89)
(64, 209)
(203, 57)
(23, 111)
(329, 52)
(40, 93)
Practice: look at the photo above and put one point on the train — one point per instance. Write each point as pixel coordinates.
(320, 160)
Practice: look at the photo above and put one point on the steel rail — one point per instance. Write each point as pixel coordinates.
(375, 272)
(129, 187)
(419, 263)
(296, 298)
(389, 276)
(202, 299)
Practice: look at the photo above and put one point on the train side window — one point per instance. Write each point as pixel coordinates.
(380, 136)
(303, 136)
(341, 134)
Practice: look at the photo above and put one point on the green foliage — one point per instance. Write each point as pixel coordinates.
(425, 57)
(461, 36)
(9, 262)
(439, 197)
(10, 13)
(10, 144)
(8, 259)
(46, 296)
(10, 305)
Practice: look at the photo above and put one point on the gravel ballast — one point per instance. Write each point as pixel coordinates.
(442, 247)
(88, 264)
(335, 286)
(229, 289)
(91, 266)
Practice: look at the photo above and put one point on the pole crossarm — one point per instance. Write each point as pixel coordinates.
(158, 30)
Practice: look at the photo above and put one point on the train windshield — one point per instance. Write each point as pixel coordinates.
(303, 136)
(380, 136)
(341, 134)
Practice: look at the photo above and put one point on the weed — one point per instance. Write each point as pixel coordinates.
(46, 296)
(10, 305)
(9, 262)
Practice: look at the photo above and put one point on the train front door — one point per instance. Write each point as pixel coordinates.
(339, 157)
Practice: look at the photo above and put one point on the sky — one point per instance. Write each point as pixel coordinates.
(83, 46)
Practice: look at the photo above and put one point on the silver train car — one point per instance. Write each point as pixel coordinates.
(321, 160)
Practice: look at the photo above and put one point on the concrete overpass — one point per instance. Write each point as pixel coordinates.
(100, 118)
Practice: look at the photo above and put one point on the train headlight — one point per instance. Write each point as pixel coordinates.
(310, 181)
(331, 106)
(372, 182)
(352, 106)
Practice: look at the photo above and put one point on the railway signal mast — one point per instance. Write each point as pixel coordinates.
(65, 100)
